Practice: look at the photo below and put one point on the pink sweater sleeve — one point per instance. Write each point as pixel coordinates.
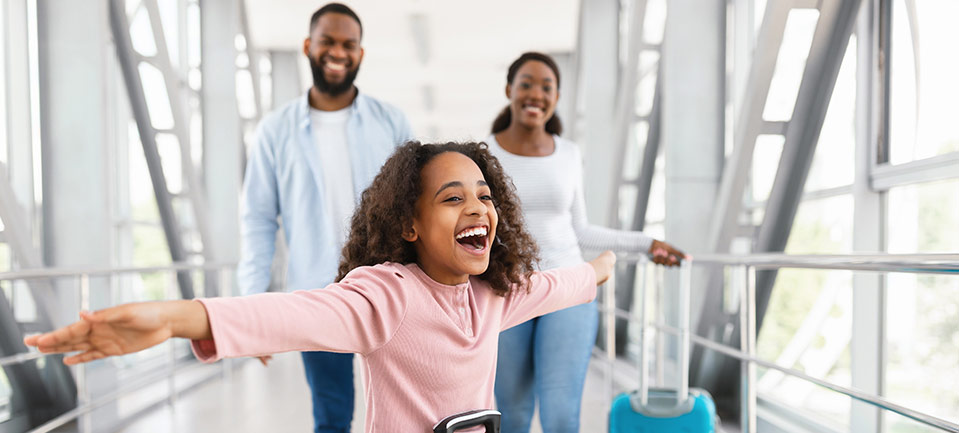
(550, 291)
(359, 314)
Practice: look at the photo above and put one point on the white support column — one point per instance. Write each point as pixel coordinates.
(599, 63)
(17, 91)
(287, 84)
(78, 81)
(566, 62)
(869, 293)
(693, 121)
(694, 68)
(76, 63)
(222, 142)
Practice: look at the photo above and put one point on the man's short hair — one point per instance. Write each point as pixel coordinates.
(338, 8)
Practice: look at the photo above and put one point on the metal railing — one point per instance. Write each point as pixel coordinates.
(85, 403)
(943, 264)
(947, 264)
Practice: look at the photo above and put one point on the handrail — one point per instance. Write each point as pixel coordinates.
(27, 274)
(85, 407)
(853, 393)
(136, 384)
(20, 358)
(909, 263)
(912, 263)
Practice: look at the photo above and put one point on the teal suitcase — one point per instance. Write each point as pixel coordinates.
(660, 413)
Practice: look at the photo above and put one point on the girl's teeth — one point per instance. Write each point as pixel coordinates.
(481, 231)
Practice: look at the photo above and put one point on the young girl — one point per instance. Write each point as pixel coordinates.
(437, 264)
(550, 354)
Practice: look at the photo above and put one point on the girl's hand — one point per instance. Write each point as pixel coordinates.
(124, 329)
(603, 265)
(666, 254)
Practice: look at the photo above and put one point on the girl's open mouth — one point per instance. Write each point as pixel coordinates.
(473, 239)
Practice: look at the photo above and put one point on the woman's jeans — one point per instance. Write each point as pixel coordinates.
(544, 360)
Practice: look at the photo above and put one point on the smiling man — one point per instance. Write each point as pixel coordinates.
(311, 160)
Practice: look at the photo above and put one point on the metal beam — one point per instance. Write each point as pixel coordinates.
(867, 348)
(836, 22)
(628, 272)
(828, 47)
(712, 322)
(886, 176)
(651, 152)
(625, 109)
(748, 125)
(624, 122)
(176, 88)
(120, 28)
(18, 236)
(822, 68)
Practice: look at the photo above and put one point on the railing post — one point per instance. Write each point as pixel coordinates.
(225, 290)
(171, 294)
(685, 278)
(747, 317)
(83, 391)
(642, 266)
(609, 302)
(660, 318)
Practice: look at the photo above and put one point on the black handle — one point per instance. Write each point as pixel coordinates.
(473, 418)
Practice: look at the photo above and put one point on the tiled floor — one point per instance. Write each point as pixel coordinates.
(276, 399)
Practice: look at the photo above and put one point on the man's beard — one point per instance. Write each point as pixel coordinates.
(332, 89)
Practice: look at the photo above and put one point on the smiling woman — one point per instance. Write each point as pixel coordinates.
(553, 351)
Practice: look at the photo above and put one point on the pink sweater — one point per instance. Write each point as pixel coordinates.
(429, 349)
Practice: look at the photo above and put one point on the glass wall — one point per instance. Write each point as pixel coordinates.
(922, 333)
(922, 326)
(809, 323)
(923, 105)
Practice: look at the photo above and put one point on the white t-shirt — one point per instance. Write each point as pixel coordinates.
(329, 135)
(550, 189)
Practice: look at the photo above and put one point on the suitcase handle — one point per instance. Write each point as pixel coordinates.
(483, 417)
(685, 280)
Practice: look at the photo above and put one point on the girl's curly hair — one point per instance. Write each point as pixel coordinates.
(387, 207)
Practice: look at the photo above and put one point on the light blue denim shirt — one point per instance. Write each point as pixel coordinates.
(284, 179)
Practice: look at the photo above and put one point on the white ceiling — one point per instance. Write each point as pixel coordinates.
(466, 45)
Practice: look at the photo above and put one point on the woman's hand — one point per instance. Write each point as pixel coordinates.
(603, 265)
(124, 329)
(666, 254)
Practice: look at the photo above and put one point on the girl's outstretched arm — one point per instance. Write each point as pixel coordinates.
(125, 329)
(558, 288)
